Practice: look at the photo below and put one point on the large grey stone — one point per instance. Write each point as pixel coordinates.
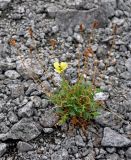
(3, 148)
(69, 18)
(113, 139)
(25, 130)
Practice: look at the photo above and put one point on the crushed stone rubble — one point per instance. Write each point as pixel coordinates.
(27, 121)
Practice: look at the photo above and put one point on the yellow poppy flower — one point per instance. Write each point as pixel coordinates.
(60, 67)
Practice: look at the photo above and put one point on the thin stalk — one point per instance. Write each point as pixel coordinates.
(78, 71)
(36, 51)
(113, 40)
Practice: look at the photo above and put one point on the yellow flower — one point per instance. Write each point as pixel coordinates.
(60, 67)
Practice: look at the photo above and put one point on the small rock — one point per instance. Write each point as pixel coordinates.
(45, 103)
(128, 153)
(79, 3)
(110, 70)
(91, 156)
(46, 88)
(128, 64)
(16, 16)
(48, 130)
(4, 4)
(12, 117)
(57, 80)
(4, 136)
(3, 127)
(101, 96)
(109, 6)
(27, 110)
(118, 21)
(3, 148)
(111, 150)
(113, 139)
(127, 129)
(79, 141)
(24, 147)
(61, 154)
(16, 89)
(12, 74)
(2, 117)
(52, 10)
(49, 119)
(78, 37)
(101, 65)
(112, 156)
(129, 46)
(55, 29)
(126, 75)
(36, 101)
(31, 88)
(101, 52)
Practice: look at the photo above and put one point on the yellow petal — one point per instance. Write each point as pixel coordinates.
(63, 65)
(58, 71)
(57, 65)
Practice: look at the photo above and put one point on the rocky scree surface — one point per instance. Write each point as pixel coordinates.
(27, 119)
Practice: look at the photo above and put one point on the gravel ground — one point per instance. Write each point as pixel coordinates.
(27, 120)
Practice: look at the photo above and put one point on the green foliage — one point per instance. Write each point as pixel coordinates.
(76, 101)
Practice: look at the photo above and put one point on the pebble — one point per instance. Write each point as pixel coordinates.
(27, 110)
(128, 64)
(3, 149)
(24, 147)
(4, 4)
(49, 119)
(78, 37)
(24, 110)
(128, 153)
(12, 117)
(12, 74)
(101, 96)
